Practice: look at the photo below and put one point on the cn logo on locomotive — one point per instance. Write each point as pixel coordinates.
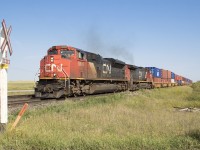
(51, 67)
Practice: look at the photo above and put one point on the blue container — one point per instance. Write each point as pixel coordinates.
(188, 81)
(172, 75)
(179, 82)
(156, 72)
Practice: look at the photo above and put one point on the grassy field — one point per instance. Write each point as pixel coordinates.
(20, 85)
(144, 119)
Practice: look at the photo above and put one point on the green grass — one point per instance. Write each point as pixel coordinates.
(144, 119)
(195, 96)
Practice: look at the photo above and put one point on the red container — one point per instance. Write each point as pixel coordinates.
(169, 74)
(176, 77)
(165, 81)
(180, 78)
(164, 74)
(156, 79)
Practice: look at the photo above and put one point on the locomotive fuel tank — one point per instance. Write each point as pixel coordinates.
(97, 88)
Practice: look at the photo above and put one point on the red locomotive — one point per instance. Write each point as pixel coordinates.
(67, 71)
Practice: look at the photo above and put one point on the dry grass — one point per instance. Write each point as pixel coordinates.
(20, 85)
(140, 120)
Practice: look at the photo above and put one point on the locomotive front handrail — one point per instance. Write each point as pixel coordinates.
(66, 75)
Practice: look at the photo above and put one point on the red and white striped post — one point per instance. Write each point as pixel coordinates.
(19, 115)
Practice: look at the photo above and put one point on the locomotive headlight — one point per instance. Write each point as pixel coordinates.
(52, 59)
(54, 75)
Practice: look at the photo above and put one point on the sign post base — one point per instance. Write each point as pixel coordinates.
(2, 127)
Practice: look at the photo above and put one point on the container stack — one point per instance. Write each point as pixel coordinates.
(166, 76)
(169, 76)
(156, 74)
(184, 81)
(178, 79)
(172, 77)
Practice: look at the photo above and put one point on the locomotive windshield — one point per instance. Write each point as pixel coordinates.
(66, 53)
(53, 52)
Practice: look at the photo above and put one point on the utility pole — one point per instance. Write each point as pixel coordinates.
(5, 45)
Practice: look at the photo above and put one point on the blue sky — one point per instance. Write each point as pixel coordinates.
(161, 33)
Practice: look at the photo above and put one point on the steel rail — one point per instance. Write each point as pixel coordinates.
(16, 100)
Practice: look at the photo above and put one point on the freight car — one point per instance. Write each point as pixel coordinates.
(67, 71)
(166, 78)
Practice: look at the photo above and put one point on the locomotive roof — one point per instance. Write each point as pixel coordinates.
(116, 61)
(134, 67)
(66, 46)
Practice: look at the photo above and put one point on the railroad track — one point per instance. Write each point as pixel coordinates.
(16, 100)
(21, 99)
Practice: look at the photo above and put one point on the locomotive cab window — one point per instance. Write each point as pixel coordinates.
(66, 53)
(53, 52)
(81, 55)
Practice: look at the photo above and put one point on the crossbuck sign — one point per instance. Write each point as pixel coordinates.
(5, 46)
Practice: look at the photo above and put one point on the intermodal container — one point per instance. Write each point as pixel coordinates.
(180, 78)
(164, 80)
(187, 81)
(172, 81)
(179, 82)
(157, 80)
(156, 72)
(169, 74)
(176, 77)
(172, 75)
(164, 74)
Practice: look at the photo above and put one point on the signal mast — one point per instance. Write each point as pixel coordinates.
(5, 45)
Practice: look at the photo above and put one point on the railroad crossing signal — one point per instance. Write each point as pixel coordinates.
(6, 38)
(5, 45)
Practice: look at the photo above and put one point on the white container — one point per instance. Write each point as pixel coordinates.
(172, 81)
